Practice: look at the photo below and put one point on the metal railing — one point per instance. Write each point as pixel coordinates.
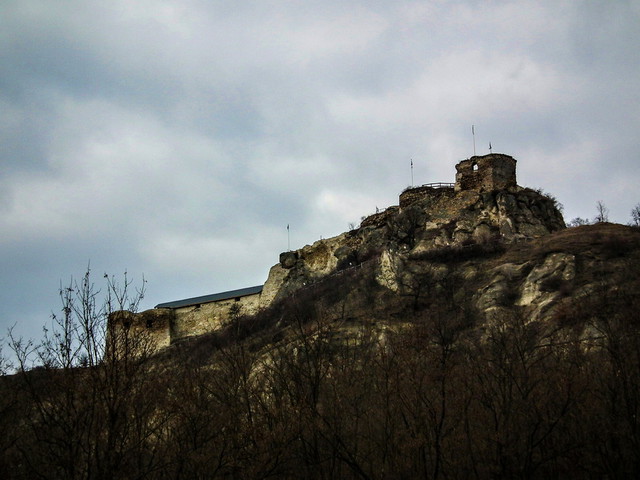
(439, 185)
(434, 185)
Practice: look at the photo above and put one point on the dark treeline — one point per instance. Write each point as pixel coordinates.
(435, 392)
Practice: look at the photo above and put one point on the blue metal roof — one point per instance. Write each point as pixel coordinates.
(216, 297)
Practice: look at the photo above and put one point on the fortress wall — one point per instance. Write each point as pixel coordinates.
(207, 317)
(415, 194)
(158, 326)
(149, 330)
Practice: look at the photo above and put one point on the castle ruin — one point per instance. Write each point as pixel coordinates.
(453, 213)
(486, 173)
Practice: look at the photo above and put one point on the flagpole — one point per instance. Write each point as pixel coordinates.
(412, 172)
(473, 134)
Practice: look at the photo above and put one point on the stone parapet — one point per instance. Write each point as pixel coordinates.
(413, 194)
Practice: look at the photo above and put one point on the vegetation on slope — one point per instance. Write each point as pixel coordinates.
(349, 380)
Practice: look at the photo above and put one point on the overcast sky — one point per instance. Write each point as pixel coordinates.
(177, 139)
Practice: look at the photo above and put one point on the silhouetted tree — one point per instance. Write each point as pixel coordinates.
(602, 212)
(578, 221)
(92, 411)
(635, 216)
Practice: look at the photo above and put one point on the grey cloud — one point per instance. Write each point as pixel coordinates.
(179, 140)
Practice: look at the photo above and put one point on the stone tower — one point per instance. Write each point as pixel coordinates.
(486, 173)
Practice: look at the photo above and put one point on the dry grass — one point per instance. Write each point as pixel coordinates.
(606, 240)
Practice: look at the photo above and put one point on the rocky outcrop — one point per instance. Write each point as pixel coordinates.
(432, 220)
(413, 243)
(536, 279)
(535, 285)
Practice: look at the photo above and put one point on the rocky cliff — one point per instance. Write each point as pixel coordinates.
(433, 228)
(374, 279)
(430, 221)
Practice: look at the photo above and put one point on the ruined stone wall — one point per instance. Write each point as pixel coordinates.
(415, 194)
(144, 332)
(486, 173)
(207, 317)
(157, 328)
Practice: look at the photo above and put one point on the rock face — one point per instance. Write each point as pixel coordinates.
(485, 205)
(536, 285)
(538, 280)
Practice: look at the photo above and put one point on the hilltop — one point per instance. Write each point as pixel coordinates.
(538, 280)
(464, 333)
(485, 360)
(485, 207)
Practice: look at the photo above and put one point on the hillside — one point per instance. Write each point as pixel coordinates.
(494, 360)
(539, 280)
(465, 333)
(520, 360)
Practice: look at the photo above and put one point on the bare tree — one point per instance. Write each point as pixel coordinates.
(91, 413)
(635, 216)
(602, 212)
(578, 221)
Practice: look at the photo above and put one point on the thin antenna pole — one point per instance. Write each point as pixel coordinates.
(288, 239)
(473, 134)
(412, 172)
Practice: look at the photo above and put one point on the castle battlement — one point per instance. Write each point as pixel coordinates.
(486, 173)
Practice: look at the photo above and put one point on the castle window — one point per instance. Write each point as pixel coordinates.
(149, 323)
(475, 167)
(237, 299)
